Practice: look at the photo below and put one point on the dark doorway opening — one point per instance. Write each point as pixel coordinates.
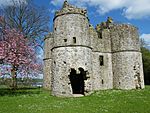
(77, 81)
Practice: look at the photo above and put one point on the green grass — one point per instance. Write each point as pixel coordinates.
(36, 100)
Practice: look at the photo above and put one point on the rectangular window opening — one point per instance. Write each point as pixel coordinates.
(101, 59)
(74, 39)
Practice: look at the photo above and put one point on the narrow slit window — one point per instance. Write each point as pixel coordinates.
(101, 59)
(102, 81)
(74, 39)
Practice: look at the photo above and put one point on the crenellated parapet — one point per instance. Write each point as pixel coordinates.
(104, 25)
(69, 9)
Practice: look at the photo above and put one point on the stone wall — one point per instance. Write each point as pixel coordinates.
(126, 57)
(102, 74)
(124, 37)
(65, 59)
(47, 61)
(71, 29)
(48, 45)
(47, 74)
(127, 70)
(101, 44)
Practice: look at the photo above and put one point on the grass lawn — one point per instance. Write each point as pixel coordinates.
(36, 100)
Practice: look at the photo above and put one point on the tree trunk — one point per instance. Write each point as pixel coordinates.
(14, 77)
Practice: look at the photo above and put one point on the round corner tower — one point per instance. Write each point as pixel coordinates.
(126, 57)
(48, 45)
(71, 65)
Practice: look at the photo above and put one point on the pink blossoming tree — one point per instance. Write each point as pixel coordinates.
(16, 51)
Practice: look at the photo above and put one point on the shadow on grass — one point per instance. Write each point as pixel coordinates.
(19, 91)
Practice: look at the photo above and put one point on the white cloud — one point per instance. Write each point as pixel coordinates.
(137, 9)
(11, 2)
(146, 38)
(56, 2)
(131, 9)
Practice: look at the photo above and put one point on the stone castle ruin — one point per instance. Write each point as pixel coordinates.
(80, 59)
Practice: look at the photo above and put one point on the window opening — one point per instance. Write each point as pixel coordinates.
(74, 39)
(102, 81)
(65, 40)
(101, 59)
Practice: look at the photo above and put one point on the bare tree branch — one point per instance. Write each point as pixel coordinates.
(31, 20)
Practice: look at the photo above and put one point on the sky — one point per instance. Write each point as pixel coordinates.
(136, 12)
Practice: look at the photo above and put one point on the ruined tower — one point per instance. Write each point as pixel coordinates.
(126, 57)
(71, 51)
(49, 39)
(80, 59)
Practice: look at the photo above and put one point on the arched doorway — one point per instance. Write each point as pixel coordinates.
(77, 81)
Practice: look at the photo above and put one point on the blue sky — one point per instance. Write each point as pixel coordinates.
(136, 12)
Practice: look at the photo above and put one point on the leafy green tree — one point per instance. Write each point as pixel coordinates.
(146, 64)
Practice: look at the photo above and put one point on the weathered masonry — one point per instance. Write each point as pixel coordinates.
(80, 59)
